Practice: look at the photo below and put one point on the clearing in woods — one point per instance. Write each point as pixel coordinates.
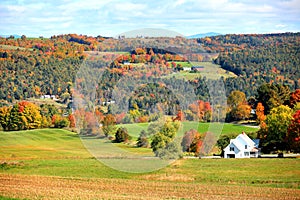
(53, 164)
(210, 71)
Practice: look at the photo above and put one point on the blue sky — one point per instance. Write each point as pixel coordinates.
(112, 17)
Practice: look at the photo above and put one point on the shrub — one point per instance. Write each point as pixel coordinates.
(61, 123)
(121, 135)
(171, 151)
(142, 141)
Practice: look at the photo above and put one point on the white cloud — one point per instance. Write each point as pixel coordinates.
(95, 17)
(15, 8)
(280, 25)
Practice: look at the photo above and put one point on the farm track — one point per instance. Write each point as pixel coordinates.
(46, 187)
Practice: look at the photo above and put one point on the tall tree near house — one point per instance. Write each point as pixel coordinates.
(242, 111)
(260, 115)
(273, 95)
(277, 123)
(236, 98)
(238, 106)
(293, 135)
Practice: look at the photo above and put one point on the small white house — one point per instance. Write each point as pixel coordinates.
(187, 69)
(241, 147)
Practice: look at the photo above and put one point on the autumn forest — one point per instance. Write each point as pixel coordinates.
(258, 74)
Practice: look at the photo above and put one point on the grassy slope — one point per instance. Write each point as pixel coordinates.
(135, 129)
(54, 152)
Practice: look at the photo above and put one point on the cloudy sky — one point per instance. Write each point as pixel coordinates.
(112, 17)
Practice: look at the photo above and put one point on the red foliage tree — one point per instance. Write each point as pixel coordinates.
(71, 118)
(293, 136)
(188, 138)
(179, 116)
(120, 117)
(295, 97)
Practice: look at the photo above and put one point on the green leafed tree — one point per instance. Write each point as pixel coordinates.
(277, 123)
(165, 135)
(223, 142)
(273, 95)
(171, 151)
(121, 135)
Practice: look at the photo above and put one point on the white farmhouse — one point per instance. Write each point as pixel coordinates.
(241, 147)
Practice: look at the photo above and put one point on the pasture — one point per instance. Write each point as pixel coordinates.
(219, 128)
(54, 164)
(210, 71)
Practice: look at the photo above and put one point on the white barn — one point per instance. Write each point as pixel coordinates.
(241, 147)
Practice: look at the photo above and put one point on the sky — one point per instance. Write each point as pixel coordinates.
(112, 17)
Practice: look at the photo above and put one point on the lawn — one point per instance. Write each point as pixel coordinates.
(218, 128)
(54, 163)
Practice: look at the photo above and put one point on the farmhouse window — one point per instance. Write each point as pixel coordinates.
(231, 148)
(245, 146)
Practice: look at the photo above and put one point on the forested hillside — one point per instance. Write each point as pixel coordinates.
(122, 81)
(31, 67)
(257, 59)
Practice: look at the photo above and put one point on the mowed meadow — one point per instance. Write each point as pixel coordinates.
(54, 164)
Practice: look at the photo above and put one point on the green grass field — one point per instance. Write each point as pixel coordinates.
(226, 128)
(51, 153)
(210, 71)
(184, 64)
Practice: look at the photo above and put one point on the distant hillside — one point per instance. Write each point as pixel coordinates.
(257, 59)
(202, 35)
(31, 67)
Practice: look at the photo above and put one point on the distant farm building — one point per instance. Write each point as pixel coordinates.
(106, 103)
(53, 97)
(187, 69)
(242, 147)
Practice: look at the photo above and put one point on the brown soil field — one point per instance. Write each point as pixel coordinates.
(47, 187)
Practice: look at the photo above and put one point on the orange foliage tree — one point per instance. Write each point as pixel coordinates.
(295, 97)
(260, 113)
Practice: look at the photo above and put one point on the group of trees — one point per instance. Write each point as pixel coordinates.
(26, 115)
(238, 107)
(31, 68)
(278, 117)
(276, 61)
